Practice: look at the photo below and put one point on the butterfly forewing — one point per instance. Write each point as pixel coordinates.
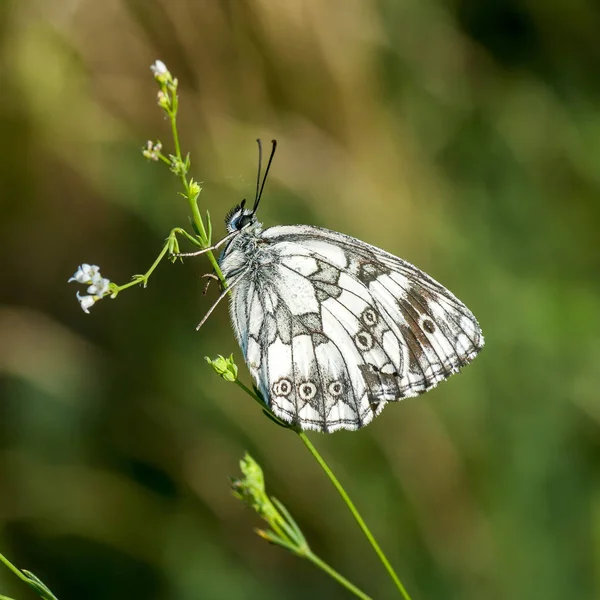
(423, 301)
(333, 328)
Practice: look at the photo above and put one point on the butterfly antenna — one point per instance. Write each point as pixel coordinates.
(259, 142)
(262, 187)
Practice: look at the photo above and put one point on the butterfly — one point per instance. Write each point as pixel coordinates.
(333, 328)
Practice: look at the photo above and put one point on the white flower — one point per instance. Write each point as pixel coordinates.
(152, 150)
(85, 273)
(99, 286)
(86, 302)
(159, 68)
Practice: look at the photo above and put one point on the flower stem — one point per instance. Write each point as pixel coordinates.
(144, 278)
(205, 242)
(333, 573)
(173, 119)
(30, 579)
(338, 486)
(14, 569)
(137, 279)
(284, 530)
(193, 201)
(250, 393)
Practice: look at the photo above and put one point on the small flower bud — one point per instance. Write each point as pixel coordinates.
(251, 487)
(152, 150)
(159, 70)
(225, 367)
(194, 188)
(163, 100)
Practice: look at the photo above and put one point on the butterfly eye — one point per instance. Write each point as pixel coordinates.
(238, 218)
(244, 220)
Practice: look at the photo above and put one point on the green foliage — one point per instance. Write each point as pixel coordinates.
(284, 531)
(35, 583)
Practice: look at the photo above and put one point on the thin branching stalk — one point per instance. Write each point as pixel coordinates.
(332, 573)
(285, 532)
(192, 195)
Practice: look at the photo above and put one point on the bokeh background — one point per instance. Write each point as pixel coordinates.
(462, 135)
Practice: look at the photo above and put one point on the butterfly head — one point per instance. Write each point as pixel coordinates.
(239, 217)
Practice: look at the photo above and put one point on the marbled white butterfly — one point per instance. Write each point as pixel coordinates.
(333, 328)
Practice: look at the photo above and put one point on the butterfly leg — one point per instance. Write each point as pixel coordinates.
(210, 277)
(223, 294)
(209, 249)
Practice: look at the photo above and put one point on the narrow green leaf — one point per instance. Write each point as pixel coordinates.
(209, 227)
(300, 539)
(194, 226)
(275, 539)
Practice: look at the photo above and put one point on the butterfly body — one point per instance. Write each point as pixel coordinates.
(333, 328)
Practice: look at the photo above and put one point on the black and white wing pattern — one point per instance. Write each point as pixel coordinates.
(333, 328)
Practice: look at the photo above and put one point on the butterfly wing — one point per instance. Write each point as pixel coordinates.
(333, 328)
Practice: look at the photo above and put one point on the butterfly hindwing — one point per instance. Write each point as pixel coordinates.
(302, 374)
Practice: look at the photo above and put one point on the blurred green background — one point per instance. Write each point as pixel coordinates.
(463, 136)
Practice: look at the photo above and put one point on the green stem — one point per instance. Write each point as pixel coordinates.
(264, 407)
(173, 119)
(197, 217)
(211, 257)
(186, 235)
(14, 569)
(144, 278)
(333, 573)
(338, 486)
(249, 392)
(29, 578)
(163, 158)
